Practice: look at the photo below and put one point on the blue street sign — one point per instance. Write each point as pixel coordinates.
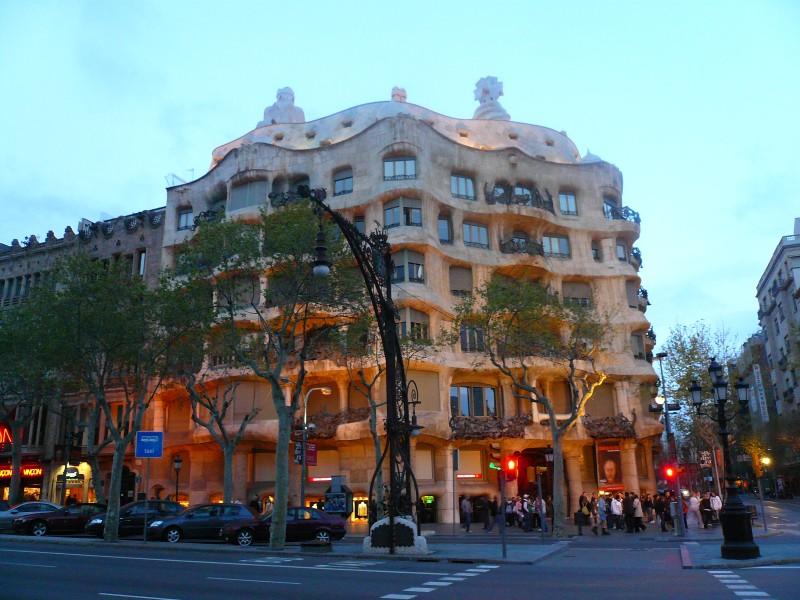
(149, 444)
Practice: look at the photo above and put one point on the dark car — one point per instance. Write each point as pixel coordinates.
(132, 515)
(69, 519)
(201, 522)
(7, 516)
(302, 525)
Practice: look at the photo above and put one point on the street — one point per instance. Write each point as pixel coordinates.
(461, 566)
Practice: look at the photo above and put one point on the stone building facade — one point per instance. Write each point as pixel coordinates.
(135, 239)
(459, 199)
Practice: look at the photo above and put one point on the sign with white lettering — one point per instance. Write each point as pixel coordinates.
(149, 444)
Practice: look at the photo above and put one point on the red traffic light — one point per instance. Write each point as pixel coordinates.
(511, 464)
(669, 472)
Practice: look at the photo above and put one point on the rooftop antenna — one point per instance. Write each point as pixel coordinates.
(173, 180)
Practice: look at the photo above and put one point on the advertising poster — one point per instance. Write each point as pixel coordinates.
(609, 466)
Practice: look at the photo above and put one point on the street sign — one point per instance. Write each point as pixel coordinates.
(298, 453)
(311, 454)
(149, 444)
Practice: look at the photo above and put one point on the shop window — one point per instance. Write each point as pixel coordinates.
(474, 401)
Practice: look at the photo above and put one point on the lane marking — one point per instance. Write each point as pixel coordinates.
(438, 583)
(253, 580)
(419, 589)
(139, 597)
(13, 564)
(214, 562)
(454, 578)
(399, 596)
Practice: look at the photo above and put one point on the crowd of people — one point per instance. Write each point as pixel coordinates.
(602, 513)
(631, 513)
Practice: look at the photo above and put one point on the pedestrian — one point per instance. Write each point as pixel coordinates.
(694, 510)
(659, 507)
(616, 511)
(583, 516)
(466, 512)
(638, 514)
(647, 507)
(510, 515)
(602, 515)
(716, 505)
(497, 516)
(527, 513)
(627, 512)
(705, 510)
(255, 504)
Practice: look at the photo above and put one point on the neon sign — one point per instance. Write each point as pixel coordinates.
(28, 471)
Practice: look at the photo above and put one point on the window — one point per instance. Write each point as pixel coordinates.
(460, 281)
(343, 182)
(408, 266)
(300, 181)
(567, 203)
(611, 208)
(142, 262)
(399, 167)
(402, 212)
(577, 292)
(252, 193)
(556, 246)
(597, 253)
(522, 193)
(471, 338)
(473, 401)
(637, 345)
(185, 220)
(359, 223)
(462, 186)
(622, 251)
(414, 324)
(475, 236)
(445, 229)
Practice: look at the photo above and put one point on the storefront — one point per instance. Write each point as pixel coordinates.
(78, 481)
(30, 481)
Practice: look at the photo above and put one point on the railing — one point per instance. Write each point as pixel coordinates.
(614, 213)
(518, 246)
(651, 335)
(506, 195)
(643, 295)
(636, 253)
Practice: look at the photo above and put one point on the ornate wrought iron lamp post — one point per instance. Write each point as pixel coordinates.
(177, 463)
(373, 256)
(737, 528)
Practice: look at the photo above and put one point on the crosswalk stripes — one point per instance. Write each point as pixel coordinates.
(738, 585)
(432, 586)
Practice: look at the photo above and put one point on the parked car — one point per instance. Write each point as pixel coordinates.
(132, 515)
(201, 522)
(68, 519)
(4, 505)
(7, 516)
(302, 524)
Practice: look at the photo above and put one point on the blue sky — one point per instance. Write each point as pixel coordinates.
(696, 103)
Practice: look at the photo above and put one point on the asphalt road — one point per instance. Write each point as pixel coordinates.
(47, 571)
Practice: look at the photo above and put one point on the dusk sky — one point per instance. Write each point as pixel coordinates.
(696, 102)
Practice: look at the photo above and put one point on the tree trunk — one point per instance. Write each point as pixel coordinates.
(111, 532)
(97, 480)
(16, 464)
(277, 539)
(559, 504)
(228, 451)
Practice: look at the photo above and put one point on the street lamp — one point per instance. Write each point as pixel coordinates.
(373, 256)
(672, 447)
(326, 391)
(737, 528)
(177, 463)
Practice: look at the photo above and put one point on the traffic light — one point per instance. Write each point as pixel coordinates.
(510, 466)
(495, 461)
(669, 472)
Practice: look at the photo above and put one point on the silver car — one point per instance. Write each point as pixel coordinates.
(7, 516)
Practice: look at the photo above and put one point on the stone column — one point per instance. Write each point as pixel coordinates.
(510, 403)
(158, 414)
(446, 506)
(621, 398)
(240, 476)
(343, 389)
(630, 474)
(572, 456)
